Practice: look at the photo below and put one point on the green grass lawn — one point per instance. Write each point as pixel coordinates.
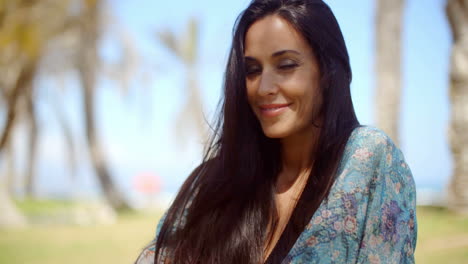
(443, 238)
(117, 243)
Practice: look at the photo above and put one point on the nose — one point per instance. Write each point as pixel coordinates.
(268, 85)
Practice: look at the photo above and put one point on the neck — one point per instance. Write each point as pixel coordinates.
(297, 151)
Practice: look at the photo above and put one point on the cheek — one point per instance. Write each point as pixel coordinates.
(251, 92)
(303, 89)
(307, 95)
(303, 83)
(312, 100)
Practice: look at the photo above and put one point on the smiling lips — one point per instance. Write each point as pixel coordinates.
(272, 110)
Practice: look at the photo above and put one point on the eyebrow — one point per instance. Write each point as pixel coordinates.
(281, 52)
(276, 54)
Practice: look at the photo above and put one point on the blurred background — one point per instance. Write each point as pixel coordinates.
(105, 106)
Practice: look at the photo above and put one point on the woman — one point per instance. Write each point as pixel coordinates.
(290, 176)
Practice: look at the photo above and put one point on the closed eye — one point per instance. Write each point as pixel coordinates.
(254, 70)
(288, 66)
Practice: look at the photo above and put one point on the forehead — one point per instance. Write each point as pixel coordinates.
(271, 34)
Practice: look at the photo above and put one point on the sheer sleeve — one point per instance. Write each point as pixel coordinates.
(147, 254)
(390, 229)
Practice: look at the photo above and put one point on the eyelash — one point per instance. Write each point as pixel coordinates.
(253, 72)
(284, 67)
(288, 66)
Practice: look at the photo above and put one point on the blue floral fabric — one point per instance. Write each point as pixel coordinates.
(369, 215)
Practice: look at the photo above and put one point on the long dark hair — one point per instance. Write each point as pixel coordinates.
(222, 211)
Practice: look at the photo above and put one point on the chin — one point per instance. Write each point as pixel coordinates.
(272, 132)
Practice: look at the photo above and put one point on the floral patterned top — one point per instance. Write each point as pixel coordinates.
(369, 215)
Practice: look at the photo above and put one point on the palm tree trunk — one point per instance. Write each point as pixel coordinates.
(11, 175)
(87, 67)
(388, 62)
(23, 82)
(32, 152)
(457, 13)
(190, 120)
(10, 216)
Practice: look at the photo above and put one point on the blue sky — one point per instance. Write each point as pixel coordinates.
(141, 138)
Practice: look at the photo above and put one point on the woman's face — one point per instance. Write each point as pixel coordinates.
(282, 77)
